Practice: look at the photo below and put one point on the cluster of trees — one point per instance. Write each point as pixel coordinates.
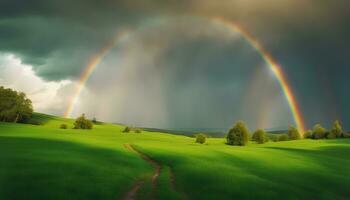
(81, 123)
(320, 132)
(129, 129)
(239, 134)
(14, 106)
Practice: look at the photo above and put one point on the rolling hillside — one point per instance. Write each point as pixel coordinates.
(45, 162)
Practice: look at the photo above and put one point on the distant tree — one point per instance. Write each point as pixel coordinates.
(63, 126)
(14, 106)
(308, 134)
(293, 133)
(260, 136)
(238, 135)
(94, 120)
(318, 132)
(82, 123)
(138, 130)
(283, 137)
(127, 129)
(336, 131)
(201, 138)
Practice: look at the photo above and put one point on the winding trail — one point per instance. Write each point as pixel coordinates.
(132, 193)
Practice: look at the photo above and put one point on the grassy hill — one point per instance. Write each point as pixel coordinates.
(45, 162)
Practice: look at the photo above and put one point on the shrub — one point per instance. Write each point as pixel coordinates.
(293, 133)
(283, 137)
(82, 123)
(201, 138)
(127, 129)
(260, 136)
(238, 135)
(318, 132)
(336, 131)
(63, 126)
(308, 134)
(138, 130)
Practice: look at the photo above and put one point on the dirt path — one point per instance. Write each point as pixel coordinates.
(131, 195)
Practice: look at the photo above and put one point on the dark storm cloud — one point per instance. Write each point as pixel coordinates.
(310, 39)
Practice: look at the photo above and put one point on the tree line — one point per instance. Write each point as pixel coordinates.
(239, 134)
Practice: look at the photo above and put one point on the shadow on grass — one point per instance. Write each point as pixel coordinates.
(322, 173)
(46, 169)
(274, 173)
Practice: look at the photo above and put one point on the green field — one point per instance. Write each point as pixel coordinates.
(45, 162)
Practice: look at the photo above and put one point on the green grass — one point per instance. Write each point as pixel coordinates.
(45, 162)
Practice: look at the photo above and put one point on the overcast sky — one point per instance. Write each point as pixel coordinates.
(178, 69)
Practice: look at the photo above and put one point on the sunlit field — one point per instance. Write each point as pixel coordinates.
(45, 162)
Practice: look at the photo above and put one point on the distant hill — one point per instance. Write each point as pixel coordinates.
(212, 132)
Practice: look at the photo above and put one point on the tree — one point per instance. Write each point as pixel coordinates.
(238, 135)
(82, 123)
(293, 133)
(14, 106)
(260, 136)
(336, 131)
(127, 129)
(94, 120)
(283, 137)
(318, 132)
(201, 138)
(308, 134)
(138, 130)
(63, 126)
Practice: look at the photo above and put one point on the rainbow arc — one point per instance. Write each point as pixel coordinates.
(272, 64)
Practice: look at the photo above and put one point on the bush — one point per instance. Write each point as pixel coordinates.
(201, 138)
(238, 135)
(283, 137)
(293, 133)
(308, 134)
(260, 136)
(63, 126)
(14, 106)
(138, 130)
(318, 132)
(127, 129)
(82, 123)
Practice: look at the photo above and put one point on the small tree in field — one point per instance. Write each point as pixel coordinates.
(238, 135)
(283, 137)
(201, 138)
(318, 132)
(336, 131)
(138, 130)
(82, 123)
(63, 126)
(293, 133)
(260, 136)
(127, 129)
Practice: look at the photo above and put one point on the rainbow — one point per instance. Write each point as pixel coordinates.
(89, 69)
(273, 65)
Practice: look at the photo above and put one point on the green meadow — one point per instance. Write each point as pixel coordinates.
(45, 162)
